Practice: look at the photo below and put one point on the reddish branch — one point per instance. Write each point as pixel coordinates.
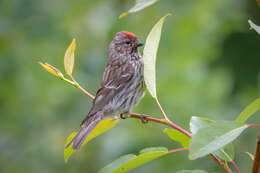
(235, 166)
(171, 124)
(165, 121)
(161, 121)
(179, 149)
(256, 164)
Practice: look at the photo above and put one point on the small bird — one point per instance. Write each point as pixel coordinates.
(122, 86)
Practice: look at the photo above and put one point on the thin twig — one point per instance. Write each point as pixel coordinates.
(162, 121)
(255, 125)
(82, 89)
(179, 149)
(256, 163)
(161, 109)
(165, 121)
(235, 165)
(227, 169)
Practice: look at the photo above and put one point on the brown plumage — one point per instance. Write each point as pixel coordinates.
(122, 85)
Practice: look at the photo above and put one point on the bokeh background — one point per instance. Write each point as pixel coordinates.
(208, 65)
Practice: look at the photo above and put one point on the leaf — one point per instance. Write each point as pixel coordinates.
(51, 69)
(214, 137)
(254, 26)
(197, 123)
(131, 161)
(191, 171)
(101, 127)
(139, 5)
(249, 111)
(68, 151)
(178, 136)
(227, 153)
(252, 157)
(149, 55)
(69, 58)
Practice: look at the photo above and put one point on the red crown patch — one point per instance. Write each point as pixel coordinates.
(130, 34)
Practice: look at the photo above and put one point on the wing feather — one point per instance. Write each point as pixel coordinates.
(114, 79)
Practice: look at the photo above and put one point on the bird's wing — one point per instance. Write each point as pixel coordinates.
(115, 78)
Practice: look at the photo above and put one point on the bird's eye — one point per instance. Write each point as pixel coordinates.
(128, 42)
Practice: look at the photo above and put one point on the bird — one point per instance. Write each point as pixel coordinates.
(122, 85)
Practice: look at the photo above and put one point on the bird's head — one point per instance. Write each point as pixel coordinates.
(125, 43)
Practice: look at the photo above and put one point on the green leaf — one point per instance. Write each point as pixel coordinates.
(227, 153)
(69, 58)
(139, 5)
(101, 127)
(131, 161)
(249, 111)
(254, 26)
(149, 55)
(214, 137)
(191, 171)
(197, 123)
(117, 163)
(178, 136)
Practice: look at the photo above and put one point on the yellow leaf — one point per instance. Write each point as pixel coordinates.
(252, 157)
(51, 69)
(69, 58)
(123, 15)
(101, 127)
(68, 151)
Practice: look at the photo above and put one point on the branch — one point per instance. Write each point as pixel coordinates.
(227, 169)
(234, 164)
(165, 121)
(161, 121)
(179, 149)
(171, 124)
(82, 89)
(256, 163)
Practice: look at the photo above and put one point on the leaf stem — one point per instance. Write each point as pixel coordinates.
(82, 89)
(161, 109)
(256, 125)
(227, 169)
(67, 80)
(179, 149)
(234, 164)
(175, 126)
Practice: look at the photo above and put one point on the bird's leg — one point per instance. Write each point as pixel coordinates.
(143, 119)
(126, 115)
(123, 116)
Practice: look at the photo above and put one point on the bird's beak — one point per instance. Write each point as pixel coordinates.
(139, 43)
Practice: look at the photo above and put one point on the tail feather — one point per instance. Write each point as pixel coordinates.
(89, 124)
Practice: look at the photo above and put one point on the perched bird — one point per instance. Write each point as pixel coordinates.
(122, 85)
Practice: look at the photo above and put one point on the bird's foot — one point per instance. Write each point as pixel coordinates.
(124, 116)
(143, 119)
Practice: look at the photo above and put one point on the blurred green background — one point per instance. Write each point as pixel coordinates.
(208, 65)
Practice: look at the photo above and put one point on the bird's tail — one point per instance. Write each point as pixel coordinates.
(87, 126)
